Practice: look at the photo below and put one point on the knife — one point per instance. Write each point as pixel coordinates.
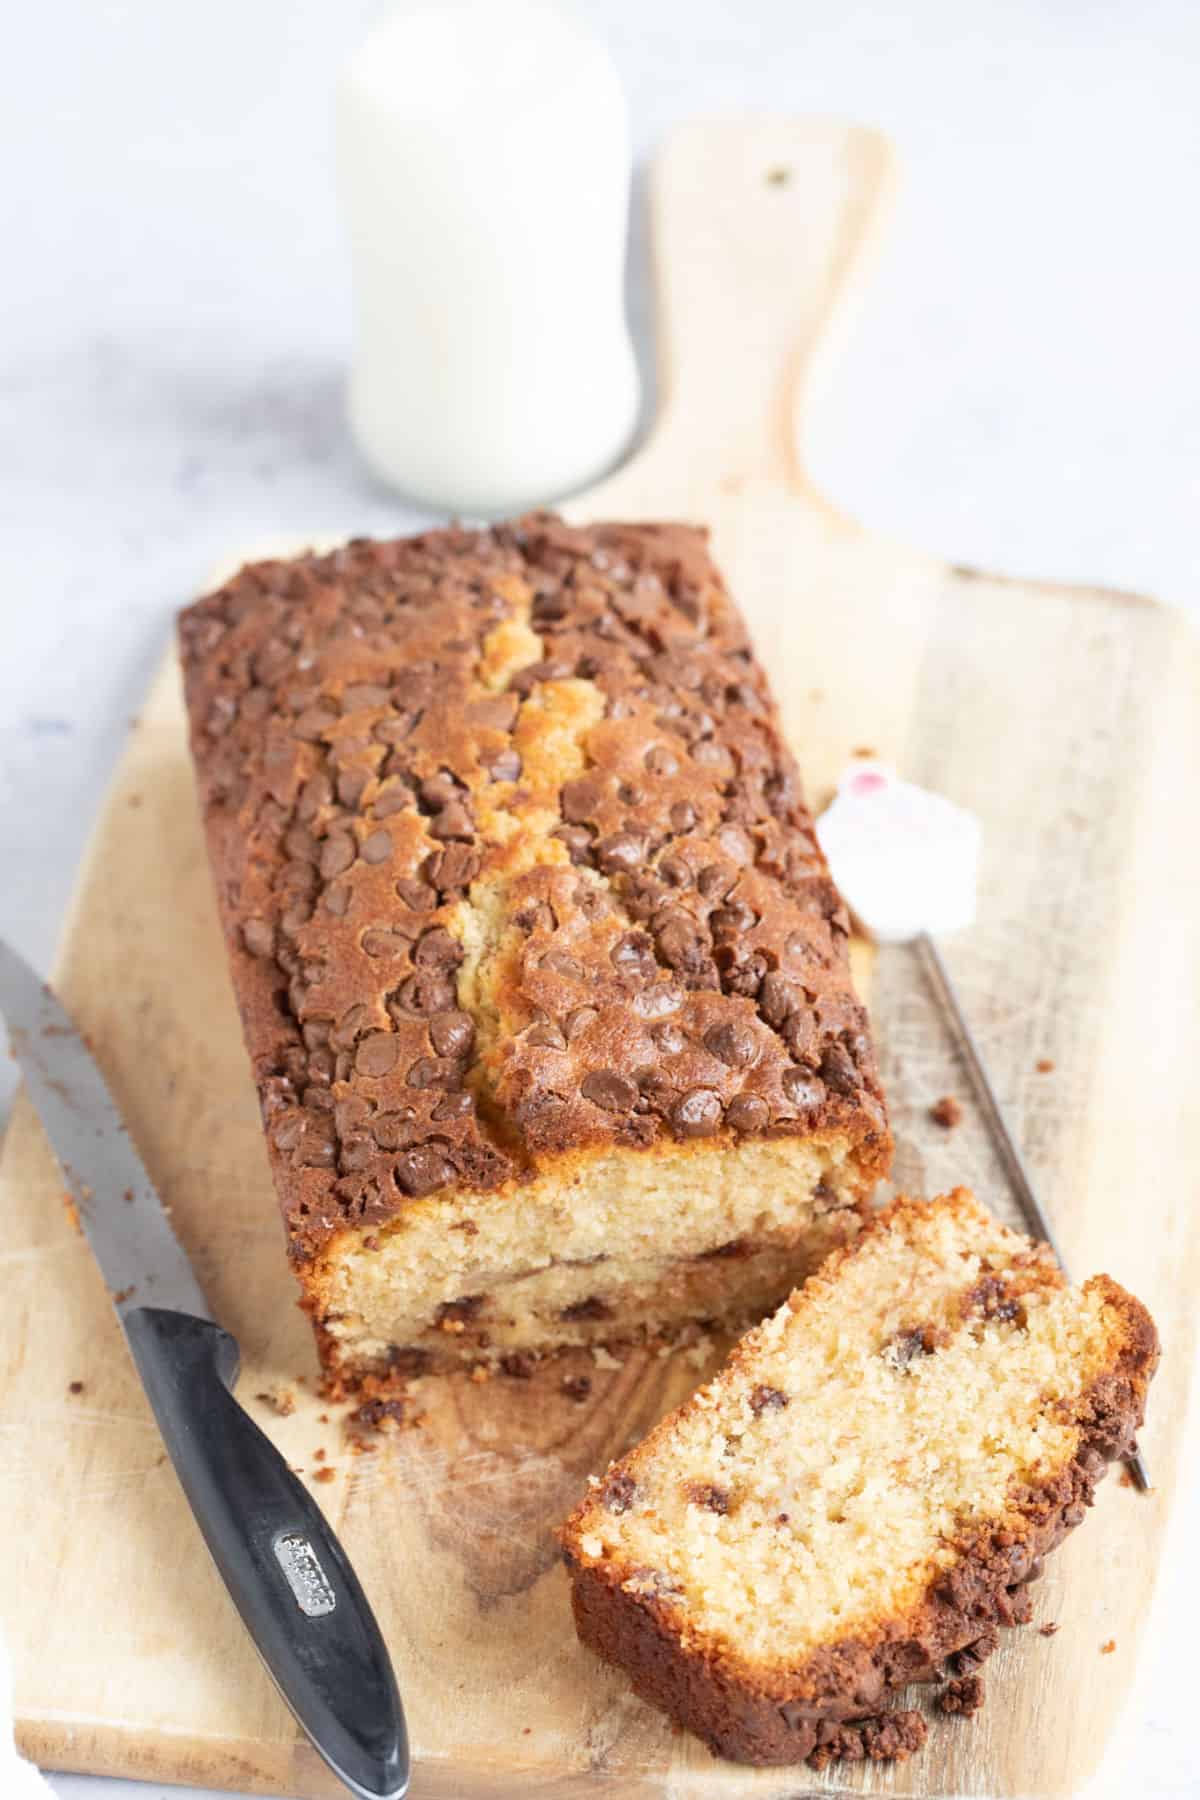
(288, 1576)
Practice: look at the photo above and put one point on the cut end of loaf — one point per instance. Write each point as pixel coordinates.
(867, 1483)
(600, 1249)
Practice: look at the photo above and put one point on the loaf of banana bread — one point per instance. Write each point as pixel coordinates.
(543, 977)
(860, 1495)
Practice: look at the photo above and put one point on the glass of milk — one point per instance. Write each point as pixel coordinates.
(484, 167)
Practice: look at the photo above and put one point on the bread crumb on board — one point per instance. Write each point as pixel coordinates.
(1107, 1648)
(281, 1398)
(964, 1696)
(946, 1112)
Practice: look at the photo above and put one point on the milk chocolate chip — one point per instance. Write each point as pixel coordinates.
(747, 1113)
(605, 1088)
(422, 1169)
(732, 1043)
(436, 949)
(802, 1089)
(337, 854)
(377, 848)
(452, 1033)
(258, 937)
(697, 1114)
(377, 1054)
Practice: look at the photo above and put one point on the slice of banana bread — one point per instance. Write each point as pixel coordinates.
(863, 1489)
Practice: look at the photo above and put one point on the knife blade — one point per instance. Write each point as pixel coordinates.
(286, 1572)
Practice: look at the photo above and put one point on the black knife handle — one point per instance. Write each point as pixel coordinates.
(289, 1577)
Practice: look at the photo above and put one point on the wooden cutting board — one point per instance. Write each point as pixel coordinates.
(1066, 718)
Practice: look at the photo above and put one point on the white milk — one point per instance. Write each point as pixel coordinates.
(484, 163)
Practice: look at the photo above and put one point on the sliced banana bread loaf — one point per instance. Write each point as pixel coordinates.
(861, 1491)
(542, 973)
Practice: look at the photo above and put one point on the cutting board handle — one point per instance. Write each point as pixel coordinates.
(761, 231)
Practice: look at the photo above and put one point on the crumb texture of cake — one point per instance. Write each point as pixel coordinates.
(523, 901)
(857, 1500)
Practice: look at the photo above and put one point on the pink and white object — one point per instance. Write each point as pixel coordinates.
(905, 859)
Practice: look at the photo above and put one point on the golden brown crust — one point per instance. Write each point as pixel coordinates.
(777, 1714)
(571, 722)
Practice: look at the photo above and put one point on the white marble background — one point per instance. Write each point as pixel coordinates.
(1023, 392)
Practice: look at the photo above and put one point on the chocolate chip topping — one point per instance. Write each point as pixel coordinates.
(747, 1114)
(377, 848)
(604, 1087)
(378, 1054)
(672, 967)
(733, 1044)
(452, 1034)
(420, 1170)
(697, 1114)
(258, 937)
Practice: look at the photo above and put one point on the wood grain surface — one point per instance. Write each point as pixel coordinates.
(1066, 719)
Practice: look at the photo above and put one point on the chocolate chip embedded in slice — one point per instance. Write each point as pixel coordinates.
(906, 1346)
(709, 1495)
(764, 1398)
(619, 1492)
(591, 1308)
(462, 1310)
